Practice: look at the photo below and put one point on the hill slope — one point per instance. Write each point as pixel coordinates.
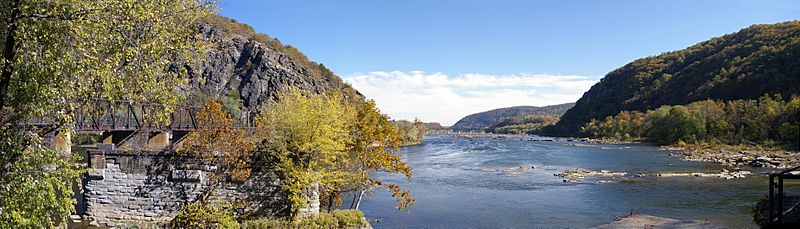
(483, 120)
(744, 65)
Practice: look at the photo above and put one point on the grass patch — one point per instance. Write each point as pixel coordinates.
(204, 215)
(334, 219)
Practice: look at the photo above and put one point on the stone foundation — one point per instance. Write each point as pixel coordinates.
(126, 187)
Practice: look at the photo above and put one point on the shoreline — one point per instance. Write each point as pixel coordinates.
(728, 155)
(766, 158)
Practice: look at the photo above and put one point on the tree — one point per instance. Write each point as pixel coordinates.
(215, 142)
(789, 131)
(374, 148)
(306, 137)
(56, 56)
(37, 190)
(590, 129)
(410, 132)
(675, 124)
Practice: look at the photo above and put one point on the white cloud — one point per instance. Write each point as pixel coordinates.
(446, 99)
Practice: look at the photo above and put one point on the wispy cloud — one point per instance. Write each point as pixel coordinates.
(445, 99)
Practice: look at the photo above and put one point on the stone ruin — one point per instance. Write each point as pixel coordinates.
(154, 186)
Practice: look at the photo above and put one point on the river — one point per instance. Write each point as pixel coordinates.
(460, 182)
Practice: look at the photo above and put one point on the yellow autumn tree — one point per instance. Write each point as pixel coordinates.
(306, 137)
(374, 147)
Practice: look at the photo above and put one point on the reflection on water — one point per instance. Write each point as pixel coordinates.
(460, 182)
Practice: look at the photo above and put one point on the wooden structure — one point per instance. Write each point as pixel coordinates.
(780, 206)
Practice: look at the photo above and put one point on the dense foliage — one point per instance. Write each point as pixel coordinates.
(215, 142)
(768, 121)
(56, 55)
(530, 124)
(434, 126)
(744, 65)
(205, 215)
(484, 120)
(307, 137)
(411, 133)
(373, 148)
(324, 141)
(36, 190)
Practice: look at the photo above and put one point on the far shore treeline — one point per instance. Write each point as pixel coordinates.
(769, 121)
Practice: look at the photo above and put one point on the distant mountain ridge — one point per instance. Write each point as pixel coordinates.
(758, 60)
(484, 120)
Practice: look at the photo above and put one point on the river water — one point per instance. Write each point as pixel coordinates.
(460, 182)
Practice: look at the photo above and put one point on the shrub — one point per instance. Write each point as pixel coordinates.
(204, 215)
(760, 211)
(333, 219)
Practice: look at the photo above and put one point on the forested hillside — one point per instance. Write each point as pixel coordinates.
(530, 124)
(484, 120)
(761, 59)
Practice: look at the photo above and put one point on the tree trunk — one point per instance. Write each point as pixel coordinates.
(330, 204)
(358, 202)
(353, 203)
(9, 52)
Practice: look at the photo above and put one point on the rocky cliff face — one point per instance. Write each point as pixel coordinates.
(238, 67)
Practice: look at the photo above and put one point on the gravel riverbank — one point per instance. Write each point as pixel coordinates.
(756, 158)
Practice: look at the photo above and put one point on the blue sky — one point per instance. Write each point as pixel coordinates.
(374, 43)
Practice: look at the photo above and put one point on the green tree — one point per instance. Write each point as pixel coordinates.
(789, 130)
(58, 54)
(36, 191)
(410, 132)
(675, 124)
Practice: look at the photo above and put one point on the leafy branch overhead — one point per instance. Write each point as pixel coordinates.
(56, 55)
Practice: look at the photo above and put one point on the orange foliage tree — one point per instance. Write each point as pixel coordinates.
(216, 143)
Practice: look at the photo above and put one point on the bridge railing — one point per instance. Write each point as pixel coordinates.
(778, 208)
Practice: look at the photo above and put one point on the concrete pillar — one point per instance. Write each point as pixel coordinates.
(62, 142)
(312, 207)
(160, 141)
(109, 138)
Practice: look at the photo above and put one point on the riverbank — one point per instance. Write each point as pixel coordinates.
(738, 156)
(579, 174)
(729, 155)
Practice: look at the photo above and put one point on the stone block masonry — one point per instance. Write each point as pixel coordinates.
(153, 187)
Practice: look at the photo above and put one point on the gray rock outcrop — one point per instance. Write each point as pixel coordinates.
(250, 71)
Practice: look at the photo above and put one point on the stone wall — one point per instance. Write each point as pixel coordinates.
(140, 187)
